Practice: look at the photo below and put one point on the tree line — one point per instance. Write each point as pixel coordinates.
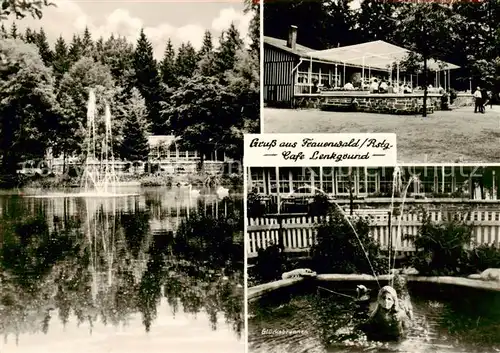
(208, 98)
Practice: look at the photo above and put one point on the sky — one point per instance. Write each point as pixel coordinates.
(179, 20)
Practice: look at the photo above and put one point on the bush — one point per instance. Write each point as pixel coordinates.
(441, 248)
(156, 180)
(338, 250)
(484, 256)
(453, 95)
(445, 104)
(270, 265)
(319, 206)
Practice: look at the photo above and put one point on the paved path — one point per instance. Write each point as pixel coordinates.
(457, 136)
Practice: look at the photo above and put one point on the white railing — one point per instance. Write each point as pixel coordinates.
(299, 234)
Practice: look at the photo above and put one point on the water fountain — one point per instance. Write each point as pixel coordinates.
(99, 177)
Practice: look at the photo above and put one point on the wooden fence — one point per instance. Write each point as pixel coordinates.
(298, 232)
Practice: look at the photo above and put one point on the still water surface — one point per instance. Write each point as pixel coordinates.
(158, 272)
(448, 320)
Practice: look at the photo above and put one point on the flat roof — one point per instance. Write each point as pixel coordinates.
(377, 55)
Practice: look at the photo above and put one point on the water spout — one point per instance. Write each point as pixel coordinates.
(400, 218)
(359, 240)
(99, 175)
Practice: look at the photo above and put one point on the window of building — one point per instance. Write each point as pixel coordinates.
(258, 180)
(327, 176)
(342, 181)
(284, 182)
(301, 177)
(372, 180)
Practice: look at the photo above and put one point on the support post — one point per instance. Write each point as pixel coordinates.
(278, 195)
(397, 73)
(363, 73)
(351, 201)
(335, 79)
(389, 238)
(344, 76)
(310, 75)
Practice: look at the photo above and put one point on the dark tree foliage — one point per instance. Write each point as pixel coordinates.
(135, 146)
(168, 66)
(54, 84)
(61, 61)
(310, 16)
(230, 44)
(207, 46)
(21, 8)
(202, 113)
(441, 248)
(185, 63)
(148, 81)
(43, 47)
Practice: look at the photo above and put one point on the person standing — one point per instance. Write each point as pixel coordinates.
(490, 99)
(477, 100)
(484, 100)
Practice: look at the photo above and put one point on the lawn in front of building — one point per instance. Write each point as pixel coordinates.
(457, 136)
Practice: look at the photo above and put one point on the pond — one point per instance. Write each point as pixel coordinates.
(160, 271)
(315, 317)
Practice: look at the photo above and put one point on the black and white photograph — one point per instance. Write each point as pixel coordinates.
(425, 70)
(121, 179)
(373, 259)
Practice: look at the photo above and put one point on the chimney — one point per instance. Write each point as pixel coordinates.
(292, 37)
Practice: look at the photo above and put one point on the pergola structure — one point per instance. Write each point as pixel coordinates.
(380, 56)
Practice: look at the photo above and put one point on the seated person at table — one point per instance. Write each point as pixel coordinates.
(407, 89)
(374, 86)
(383, 87)
(390, 88)
(348, 86)
(387, 322)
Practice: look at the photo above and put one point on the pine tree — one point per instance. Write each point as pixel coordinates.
(13, 31)
(30, 36)
(98, 50)
(44, 47)
(87, 44)
(207, 46)
(75, 49)
(186, 62)
(3, 32)
(255, 33)
(60, 61)
(135, 146)
(148, 81)
(167, 66)
(206, 57)
(230, 44)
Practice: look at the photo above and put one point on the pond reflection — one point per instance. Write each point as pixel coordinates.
(102, 272)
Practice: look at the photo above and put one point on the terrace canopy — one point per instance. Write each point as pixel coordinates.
(378, 55)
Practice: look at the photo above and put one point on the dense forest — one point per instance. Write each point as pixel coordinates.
(208, 98)
(464, 33)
